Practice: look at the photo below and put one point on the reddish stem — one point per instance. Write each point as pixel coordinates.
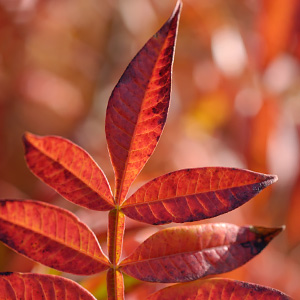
(115, 285)
(116, 227)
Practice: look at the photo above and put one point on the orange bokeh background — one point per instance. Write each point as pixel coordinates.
(235, 102)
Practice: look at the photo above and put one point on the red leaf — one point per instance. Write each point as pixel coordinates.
(36, 287)
(187, 253)
(138, 107)
(194, 194)
(217, 288)
(69, 170)
(50, 235)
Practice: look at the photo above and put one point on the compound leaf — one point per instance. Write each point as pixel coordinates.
(138, 106)
(50, 235)
(69, 170)
(20, 286)
(218, 288)
(188, 253)
(194, 194)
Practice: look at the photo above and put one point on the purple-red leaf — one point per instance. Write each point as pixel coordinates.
(187, 253)
(194, 194)
(50, 235)
(218, 288)
(69, 170)
(138, 106)
(18, 286)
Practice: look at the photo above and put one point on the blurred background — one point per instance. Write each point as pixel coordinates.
(235, 103)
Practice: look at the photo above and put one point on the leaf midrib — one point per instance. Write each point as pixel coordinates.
(119, 194)
(186, 195)
(186, 252)
(59, 241)
(86, 183)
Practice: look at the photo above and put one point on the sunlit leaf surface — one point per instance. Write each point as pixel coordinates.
(187, 253)
(221, 289)
(194, 194)
(69, 170)
(18, 286)
(50, 235)
(138, 107)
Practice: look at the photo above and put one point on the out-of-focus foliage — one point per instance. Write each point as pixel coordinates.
(235, 103)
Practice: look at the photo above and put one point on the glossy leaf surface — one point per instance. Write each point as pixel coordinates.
(69, 170)
(138, 107)
(18, 286)
(221, 289)
(187, 253)
(51, 236)
(194, 194)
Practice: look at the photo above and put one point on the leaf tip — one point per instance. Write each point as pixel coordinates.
(174, 18)
(268, 180)
(177, 10)
(267, 234)
(276, 230)
(178, 6)
(273, 178)
(27, 136)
